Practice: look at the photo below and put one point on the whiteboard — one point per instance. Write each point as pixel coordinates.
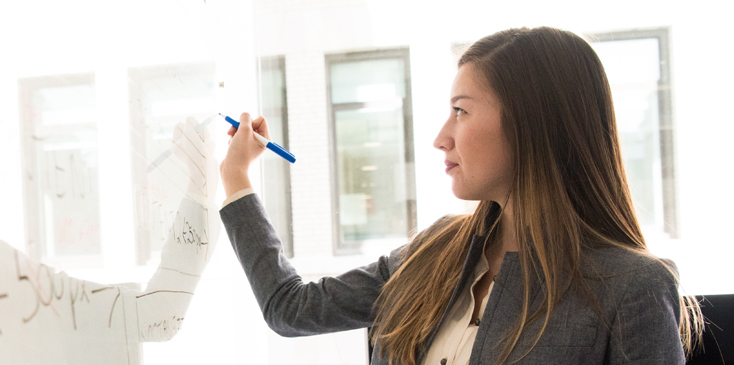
(91, 101)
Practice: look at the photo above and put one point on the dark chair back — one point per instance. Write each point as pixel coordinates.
(718, 337)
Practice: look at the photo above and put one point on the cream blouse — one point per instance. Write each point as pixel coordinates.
(240, 194)
(455, 338)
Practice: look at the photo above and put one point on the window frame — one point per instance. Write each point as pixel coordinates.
(666, 127)
(410, 179)
(277, 63)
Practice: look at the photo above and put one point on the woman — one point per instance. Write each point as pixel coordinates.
(551, 268)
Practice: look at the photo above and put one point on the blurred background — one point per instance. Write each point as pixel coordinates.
(90, 92)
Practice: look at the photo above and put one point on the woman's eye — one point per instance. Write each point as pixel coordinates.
(459, 111)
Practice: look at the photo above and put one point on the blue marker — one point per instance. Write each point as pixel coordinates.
(282, 152)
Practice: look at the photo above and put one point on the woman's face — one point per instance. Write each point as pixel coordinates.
(478, 156)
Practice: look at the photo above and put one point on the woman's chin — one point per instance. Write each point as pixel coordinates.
(462, 194)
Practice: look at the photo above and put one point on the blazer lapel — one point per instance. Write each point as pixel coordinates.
(476, 249)
(504, 306)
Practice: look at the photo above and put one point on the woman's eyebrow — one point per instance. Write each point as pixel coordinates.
(458, 97)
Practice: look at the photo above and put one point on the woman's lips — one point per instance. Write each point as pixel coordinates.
(450, 165)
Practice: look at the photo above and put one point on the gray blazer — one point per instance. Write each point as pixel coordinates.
(637, 294)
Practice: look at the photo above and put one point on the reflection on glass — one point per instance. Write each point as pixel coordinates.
(60, 162)
(160, 98)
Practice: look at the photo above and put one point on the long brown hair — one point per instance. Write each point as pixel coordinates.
(569, 192)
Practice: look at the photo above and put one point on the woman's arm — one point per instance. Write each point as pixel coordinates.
(190, 243)
(290, 306)
(49, 317)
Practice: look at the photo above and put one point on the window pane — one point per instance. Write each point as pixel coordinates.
(372, 183)
(633, 69)
(373, 163)
(365, 81)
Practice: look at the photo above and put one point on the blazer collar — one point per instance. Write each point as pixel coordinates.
(476, 249)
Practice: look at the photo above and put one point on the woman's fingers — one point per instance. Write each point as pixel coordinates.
(243, 147)
(260, 126)
(245, 120)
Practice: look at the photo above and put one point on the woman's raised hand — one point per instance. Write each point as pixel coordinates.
(244, 148)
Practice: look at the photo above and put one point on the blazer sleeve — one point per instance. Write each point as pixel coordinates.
(290, 306)
(645, 330)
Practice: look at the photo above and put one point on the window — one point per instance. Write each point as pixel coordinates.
(276, 171)
(372, 148)
(60, 179)
(637, 64)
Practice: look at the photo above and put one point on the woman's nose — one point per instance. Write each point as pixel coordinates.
(444, 141)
